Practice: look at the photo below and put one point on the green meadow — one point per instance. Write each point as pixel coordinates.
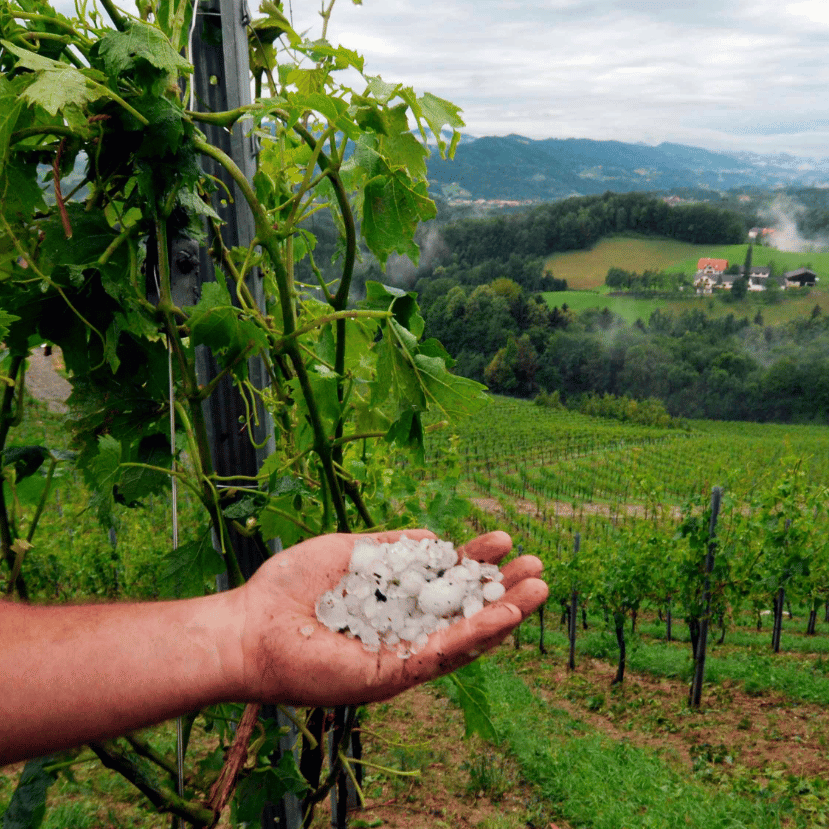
(586, 269)
(585, 272)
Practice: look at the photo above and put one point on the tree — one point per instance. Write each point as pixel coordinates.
(739, 288)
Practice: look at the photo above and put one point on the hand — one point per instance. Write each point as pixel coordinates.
(290, 657)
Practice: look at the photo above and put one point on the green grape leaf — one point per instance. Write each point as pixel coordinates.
(56, 85)
(455, 396)
(59, 91)
(267, 785)
(187, 569)
(472, 696)
(437, 113)
(214, 322)
(91, 236)
(395, 376)
(334, 109)
(21, 192)
(342, 57)
(381, 90)
(407, 432)
(25, 459)
(243, 508)
(137, 482)
(121, 51)
(444, 509)
(434, 348)
(392, 207)
(10, 106)
(164, 134)
(406, 151)
(103, 472)
(28, 491)
(274, 523)
(379, 296)
(367, 157)
(27, 806)
(5, 321)
(407, 315)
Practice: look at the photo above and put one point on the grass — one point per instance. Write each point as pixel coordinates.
(629, 308)
(800, 679)
(587, 269)
(595, 782)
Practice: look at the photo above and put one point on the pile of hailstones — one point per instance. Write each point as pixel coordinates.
(396, 594)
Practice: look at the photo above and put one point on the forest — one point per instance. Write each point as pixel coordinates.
(480, 299)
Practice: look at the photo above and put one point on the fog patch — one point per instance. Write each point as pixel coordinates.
(783, 215)
(401, 272)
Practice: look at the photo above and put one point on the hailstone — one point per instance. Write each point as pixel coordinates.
(397, 594)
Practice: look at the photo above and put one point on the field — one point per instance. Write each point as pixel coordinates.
(572, 749)
(586, 269)
(585, 272)
(629, 309)
(754, 753)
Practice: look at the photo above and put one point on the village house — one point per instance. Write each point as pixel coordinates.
(710, 275)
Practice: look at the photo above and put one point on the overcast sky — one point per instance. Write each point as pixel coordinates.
(721, 74)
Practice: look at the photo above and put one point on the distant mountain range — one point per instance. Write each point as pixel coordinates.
(517, 168)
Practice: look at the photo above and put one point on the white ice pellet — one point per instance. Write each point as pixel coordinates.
(459, 572)
(362, 555)
(493, 590)
(442, 597)
(396, 595)
(412, 583)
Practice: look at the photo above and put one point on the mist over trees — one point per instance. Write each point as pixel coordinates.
(580, 222)
(479, 297)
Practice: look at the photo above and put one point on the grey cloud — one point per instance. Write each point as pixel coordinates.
(725, 74)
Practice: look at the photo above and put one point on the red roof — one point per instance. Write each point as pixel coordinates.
(716, 264)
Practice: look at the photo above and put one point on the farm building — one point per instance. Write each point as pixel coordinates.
(799, 278)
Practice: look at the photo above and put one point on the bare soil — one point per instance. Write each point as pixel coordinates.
(756, 732)
(422, 731)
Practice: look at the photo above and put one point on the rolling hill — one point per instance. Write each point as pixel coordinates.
(518, 168)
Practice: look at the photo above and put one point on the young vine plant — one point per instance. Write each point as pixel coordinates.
(350, 384)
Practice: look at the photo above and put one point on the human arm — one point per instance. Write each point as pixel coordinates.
(71, 674)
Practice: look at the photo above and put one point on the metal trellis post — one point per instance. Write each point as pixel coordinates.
(222, 82)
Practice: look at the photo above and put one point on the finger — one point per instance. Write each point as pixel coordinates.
(489, 548)
(527, 595)
(523, 567)
(466, 640)
(392, 536)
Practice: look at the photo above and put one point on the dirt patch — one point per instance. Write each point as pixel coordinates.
(462, 784)
(44, 382)
(566, 509)
(731, 729)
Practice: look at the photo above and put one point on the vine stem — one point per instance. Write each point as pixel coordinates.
(319, 322)
(16, 370)
(163, 798)
(270, 242)
(222, 790)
